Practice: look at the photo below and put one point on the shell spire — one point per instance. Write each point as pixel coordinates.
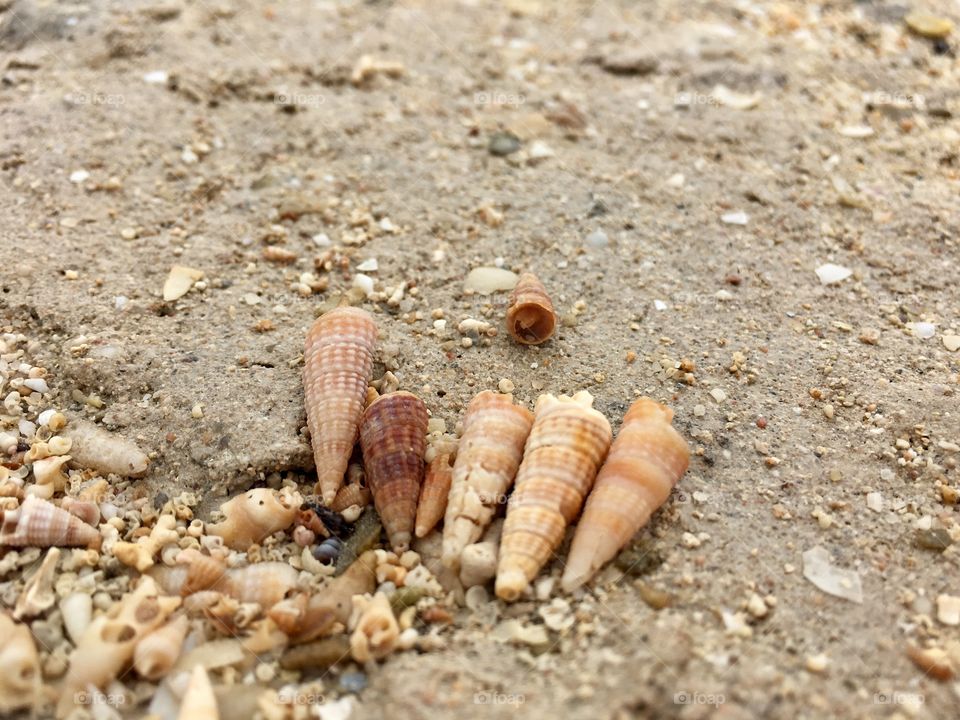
(199, 701)
(434, 493)
(337, 367)
(38, 523)
(567, 444)
(489, 453)
(393, 437)
(530, 316)
(646, 460)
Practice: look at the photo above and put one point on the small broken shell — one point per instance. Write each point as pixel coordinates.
(254, 516)
(49, 471)
(156, 653)
(645, 462)
(350, 495)
(567, 444)
(478, 561)
(38, 523)
(104, 451)
(393, 437)
(141, 554)
(20, 680)
(264, 583)
(375, 629)
(77, 612)
(530, 316)
(199, 701)
(38, 594)
(337, 368)
(434, 493)
(87, 511)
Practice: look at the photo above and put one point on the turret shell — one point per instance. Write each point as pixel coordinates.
(434, 494)
(156, 653)
(38, 523)
(530, 316)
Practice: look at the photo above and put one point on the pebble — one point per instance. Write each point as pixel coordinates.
(817, 663)
(951, 342)
(756, 606)
(735, 218)
(718, 395)
(869, 336)
(875, 501)
(676, 180)
(128, 233)
(353, 682)
(833, 580)
(699, 410)
(948, 609)
(364, 283)
(369, 265)
(505, 386)
(79, 176)
(738, 101)
(598, 240)
(539, 150)
(156, 77)
(251, 298)
(830, 273)
(659, 305)
(179, 281)
(856, 131)
(487, 280)
(929, 26)
(503, 144)
(923, 330)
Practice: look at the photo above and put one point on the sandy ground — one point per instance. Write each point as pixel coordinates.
(140, 135)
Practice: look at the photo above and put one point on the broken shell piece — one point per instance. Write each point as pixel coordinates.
(20, 680)
(109, 641)
(106, 452)
(530, 316)
(393, 437)
(264, 583)
(375, 629)
(77, 611)
(645, 462)
(38, 594)
(49, 471)
(567, 444)
(254, 516)
(87, 511)
(140, 555)
(354, 493)
(179, 281)
(333, 604)
(199, 701)
(478, 564)
(155, 654)
(337, 368)
(488, 456)
(434, 493)
(38, 523)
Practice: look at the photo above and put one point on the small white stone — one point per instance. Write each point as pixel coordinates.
(120, 302)
(364, 282)
(252, 299)
(321, 240)
(830, 273)
(37, 385)
(156, 77)
(676, 180)
(659, 305)
(856, 131)
(756, 606)
(735, 218)
(487, 280)
(951, 342)
(369, 265)
(817, 663)
(875, 501)
(923, 330)
(79, 176)
(718, 395)
(699, 410)
(597, 240)
(188, 156)
(948, 609)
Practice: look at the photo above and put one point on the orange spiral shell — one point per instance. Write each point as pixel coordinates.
(433, 494)
(355, 492)
(337, 366)
(567, 443)
(489, 453)
(38, 523)
(530, 316)
(393, 438)
(645, 462)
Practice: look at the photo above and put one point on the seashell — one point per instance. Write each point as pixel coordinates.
(303, 536)
(140, 554)
(327, 551)
(38, 523)
(478, 561)
(106, 452)
(77, 611)
(49, 471)
(87, 511)
(317, 655)
(199, 701)
(530, 316)
(38, 594)
(434, 493)
(567, 443)
(265, 583)
(375, 629)
(393, 437)
(170, 578)
(107, 645)
(155, 655)
(204, 572)
(645, 462)
(44, 492)
(59, 445)
(350, 495)
(20, 680)
(333, 604)
(37, 451)
(288, 613)
(489, 454)
(254, 516)
(337, 368)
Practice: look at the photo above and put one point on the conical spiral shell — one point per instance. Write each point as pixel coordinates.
(157, 652)
(567, 444)
(254, 516)
(264, 583)
(393, 437)
(20, 680)
(645, 462)
(337, 367)
(355, 492)
(199, 701)
(38, 523)
(434, 494)
(489, 454)
(530, 316)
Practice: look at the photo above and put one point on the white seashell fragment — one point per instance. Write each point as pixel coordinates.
(38, 594)
(856, 131)
(77, 611)
(20, 679)
(179, 281)
(735, 218)
(818, 569)
(923, 330)
(830, 273)
(487, 280)
(725, 96)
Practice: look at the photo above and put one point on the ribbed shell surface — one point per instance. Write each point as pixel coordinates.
(488, 456)
(38, 523)
(393, 437)
(645, 462)
(530, 316)
(567, 444)
(337, 367)
(434, 494)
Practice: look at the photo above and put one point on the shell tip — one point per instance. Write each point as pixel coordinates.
(510, 584)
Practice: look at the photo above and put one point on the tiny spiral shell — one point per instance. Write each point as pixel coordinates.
(488, 456)
(375, 629)
(337, 368)
(38, 523)
(567, 444)
(354, 493)
(393, 437)
(157, 652)
(645, 462)
(530, 316)
(199, 701)
(434, 493)
(254, 516)
(264, 583)
(203, 572)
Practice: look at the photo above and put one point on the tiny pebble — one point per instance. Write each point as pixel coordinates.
(598, 240)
